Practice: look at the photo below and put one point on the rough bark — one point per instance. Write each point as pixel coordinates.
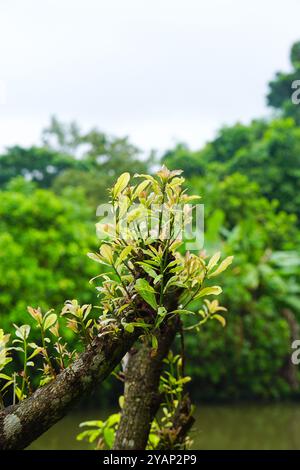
(21, 424)
(289, 370)
(141, 394)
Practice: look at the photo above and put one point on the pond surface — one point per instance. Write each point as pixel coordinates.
(247, 426)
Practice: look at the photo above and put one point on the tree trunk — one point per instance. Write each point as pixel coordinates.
(141, 390)
(21, 424)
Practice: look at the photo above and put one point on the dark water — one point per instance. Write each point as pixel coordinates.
(275, 426)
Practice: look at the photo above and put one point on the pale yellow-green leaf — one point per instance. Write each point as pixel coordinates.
(148, 269)
(94, 257)
(220, 319)
(106, 252)
(124, 203)
(185, 198)
(5, 377)
(175, 245)
(49, 321)
(161, 311)
(121, 401)
(122, 308)
(124, 254)
(134, 215)
(183, 312)
(121, 184)
(128, 327)
(213, 260)
(22, 331)
(154, 342)
(225, 263)
(147, 177)
(214, 290)
(35, 353)
(140, 188)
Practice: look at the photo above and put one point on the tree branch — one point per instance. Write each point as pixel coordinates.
(21, 424)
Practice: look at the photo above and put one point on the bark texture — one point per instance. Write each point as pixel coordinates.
(21, 424)
(141, 390)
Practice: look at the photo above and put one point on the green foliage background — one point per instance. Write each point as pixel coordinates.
(43, 243)
(249, 177)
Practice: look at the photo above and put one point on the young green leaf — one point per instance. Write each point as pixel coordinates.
(148, 269)
(121, 184)
(183, 312)
(140, 188)
(161, 311)
(108, 436)
(124, 253)
(128, 327)
(154, 342)
(22, 331)
(213, 261)
(107, 254)
(220, 319)
(95, 257)
(49, 321)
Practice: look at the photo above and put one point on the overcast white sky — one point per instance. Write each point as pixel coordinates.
(159, 71)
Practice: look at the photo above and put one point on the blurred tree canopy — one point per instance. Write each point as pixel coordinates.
(267, 152)
(264, 281)
(103, 158)
(37, 164)
(69, 158)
